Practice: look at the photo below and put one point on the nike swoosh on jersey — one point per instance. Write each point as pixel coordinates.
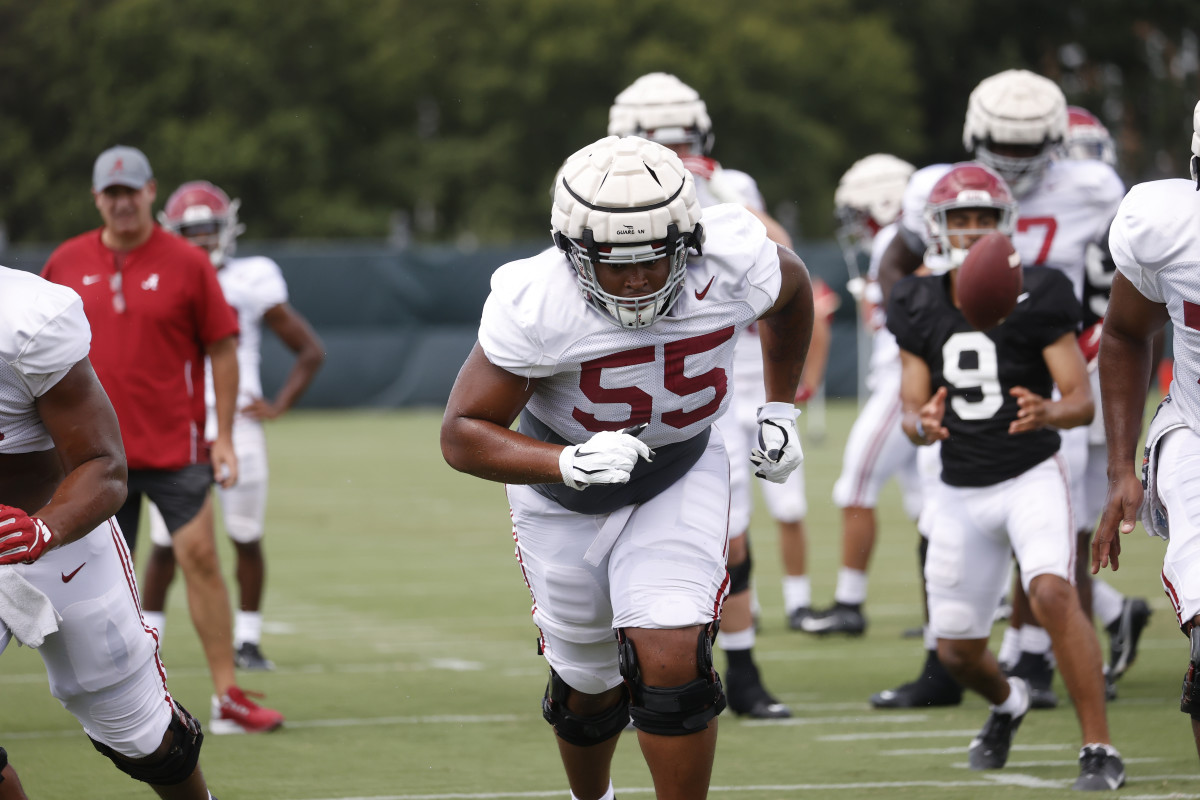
(66, 577)
(700, 293)
(1022, 297)
(88, 280)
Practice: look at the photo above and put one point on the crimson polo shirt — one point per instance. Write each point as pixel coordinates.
(149, 356)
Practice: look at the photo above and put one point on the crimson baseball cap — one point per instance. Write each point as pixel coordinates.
(121, 166)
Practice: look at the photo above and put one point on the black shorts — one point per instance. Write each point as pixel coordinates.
(179, 495)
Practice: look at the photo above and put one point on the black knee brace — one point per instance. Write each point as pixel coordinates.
(739, 574)
(576, 729)
(674, 710)
(1189, 703)
(179, 762)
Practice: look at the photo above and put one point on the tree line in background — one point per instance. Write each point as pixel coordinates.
(356, 118)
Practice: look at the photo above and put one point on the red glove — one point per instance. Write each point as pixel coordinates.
(23, 538)
(700, 166)
(803, 394)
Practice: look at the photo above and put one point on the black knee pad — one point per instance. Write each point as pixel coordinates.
(674, 710)
(739, 574)
(1189, 703)
(180, 761)
(576, 729)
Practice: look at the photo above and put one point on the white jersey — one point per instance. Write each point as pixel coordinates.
(1155, 243)
(43, 333)
(252, 286)
(594, 375)
(1068, 210)
(729, 186)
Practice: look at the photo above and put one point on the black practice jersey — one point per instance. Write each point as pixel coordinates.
(979, 368)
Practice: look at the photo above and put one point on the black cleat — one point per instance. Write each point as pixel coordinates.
(838, 618)
(989, 750)
(1124, 634)
(934, 687)
(248, 656)
(796, 617)
(1100, 769)
(1038, 675)
(749, 698)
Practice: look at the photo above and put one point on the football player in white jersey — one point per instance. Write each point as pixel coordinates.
(67, 575)
(662, 108)
(1155, 242)
(868, 202)
(1016, 122)
(1004, 486)
(615, 349)
(204, 215)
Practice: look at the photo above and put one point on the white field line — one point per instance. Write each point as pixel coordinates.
(992, 781)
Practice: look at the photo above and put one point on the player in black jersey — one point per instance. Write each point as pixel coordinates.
(1004, 487)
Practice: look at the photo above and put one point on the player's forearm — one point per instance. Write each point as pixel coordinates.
(1071, 410)
(299, 378)
(785, 337)
(487, 451)
(92, 492)
(1125, 366)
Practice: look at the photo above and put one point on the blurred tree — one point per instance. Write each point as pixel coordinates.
(332, 118)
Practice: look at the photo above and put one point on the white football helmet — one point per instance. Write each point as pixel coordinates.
(868, 197)
(1195, 162)
(663, 109)
(968, 184)
(621, 201)
(1016, 107)
(1087, 138)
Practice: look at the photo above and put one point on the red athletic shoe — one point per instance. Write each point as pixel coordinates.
(237, 713)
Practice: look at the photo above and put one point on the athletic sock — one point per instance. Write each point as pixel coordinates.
(1107, 602)
(1010, 646)
(1035, 640)
(1017, 698)
(247, 627)
(608, 794)
(156, 620)
(851, 587)
(733, 641)
(797, 592)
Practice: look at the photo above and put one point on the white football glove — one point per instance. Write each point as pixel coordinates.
(778, 453)
(607, 457)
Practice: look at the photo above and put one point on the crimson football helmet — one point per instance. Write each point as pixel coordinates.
(204, 215)
(624, 201)
(1016, 108)
(1087, 138)
(968, 184)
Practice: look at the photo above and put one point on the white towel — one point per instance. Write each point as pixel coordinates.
(24, 609)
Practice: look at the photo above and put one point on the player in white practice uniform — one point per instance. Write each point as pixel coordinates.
(1004, 487)
(1155, 242)
(661, 108)
(1015, 123)
(67, 586)
(204, 215)
(616, 351)
(868, 202)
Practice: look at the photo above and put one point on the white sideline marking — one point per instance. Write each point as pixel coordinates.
(1009, 779)
(946, 751)
(441, 718)
(857, 737)
(868, 719)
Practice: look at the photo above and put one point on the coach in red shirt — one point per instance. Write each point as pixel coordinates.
(156, 310)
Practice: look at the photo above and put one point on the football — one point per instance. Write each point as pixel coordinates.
(989, 281)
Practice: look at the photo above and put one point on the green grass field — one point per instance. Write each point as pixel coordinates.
(406, 663)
